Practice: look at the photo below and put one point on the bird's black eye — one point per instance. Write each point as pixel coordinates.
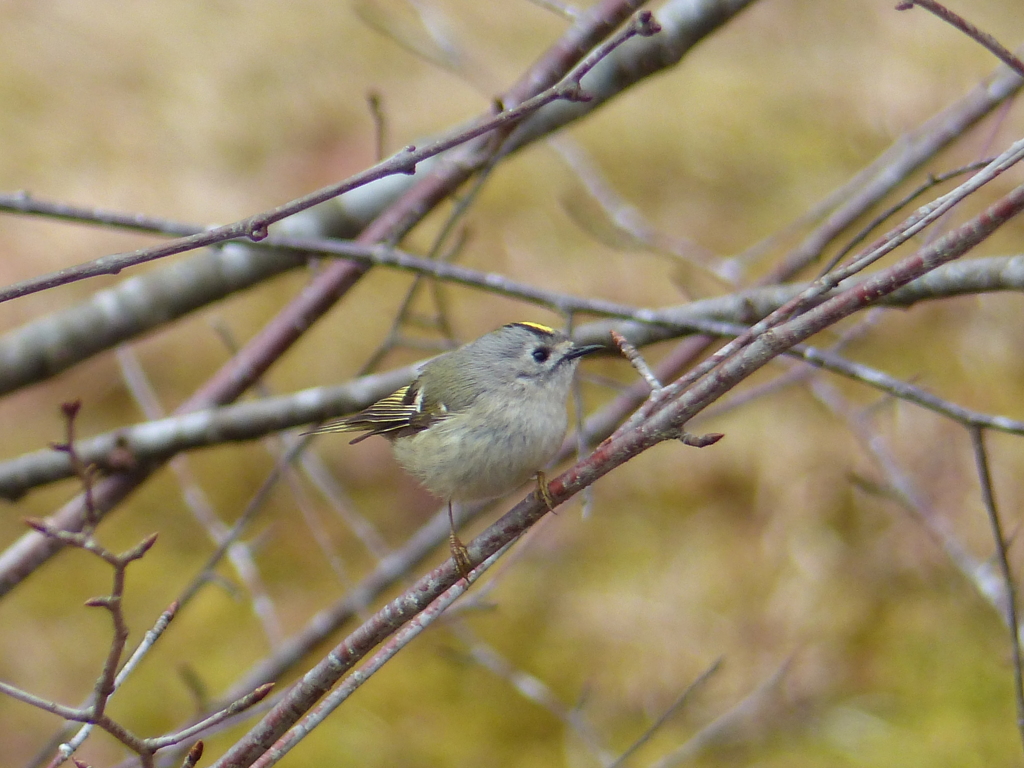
(541, 354)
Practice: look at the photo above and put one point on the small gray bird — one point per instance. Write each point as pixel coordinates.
(479, 421)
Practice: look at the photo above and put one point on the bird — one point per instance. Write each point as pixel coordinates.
(479, 421)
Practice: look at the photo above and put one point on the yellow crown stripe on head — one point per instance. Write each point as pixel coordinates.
(536, 326)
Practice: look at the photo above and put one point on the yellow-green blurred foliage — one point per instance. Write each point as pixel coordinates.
(772, 550)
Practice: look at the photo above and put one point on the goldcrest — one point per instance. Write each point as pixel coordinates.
(481, 420)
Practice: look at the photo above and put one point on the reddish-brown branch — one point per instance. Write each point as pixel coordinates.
(329, 285)
(958, 21)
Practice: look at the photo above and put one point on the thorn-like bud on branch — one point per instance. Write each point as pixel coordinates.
(701, 441)
(574, 92)
(121, 457)
(106, 601)
(646, 25)
(261, 693)
(257, 695)
(141, 548)
(193, 756)
(77, 539)
(258, 231)
(37, 525)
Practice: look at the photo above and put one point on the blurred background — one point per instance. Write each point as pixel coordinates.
(846, 635)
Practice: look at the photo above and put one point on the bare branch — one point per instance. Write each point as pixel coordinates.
(256, 228)
(45, 347)
(958, 21)
(989, 500)
(676, 705)
(231, 710)
(262, 351)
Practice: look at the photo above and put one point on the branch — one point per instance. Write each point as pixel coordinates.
(44, 347)
(256, 227)
(159, 439)
(248, 365)
(989, 500)
(906, 155)
(662, 425)
(958, 21)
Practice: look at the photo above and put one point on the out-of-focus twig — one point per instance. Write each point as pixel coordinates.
(988, 498)
(907, 154)
(958, 21)
(674, 707)
(333, 281)
(199, 503)
(533, 689)
(255, 228)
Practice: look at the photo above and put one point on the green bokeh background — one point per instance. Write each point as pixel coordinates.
(766, 550)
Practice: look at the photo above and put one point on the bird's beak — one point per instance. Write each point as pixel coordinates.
(581, 351)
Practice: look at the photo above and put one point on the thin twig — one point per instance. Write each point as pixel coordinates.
(242, 704)
(725, 725)
(107, 682)
(68, 748)
(676, 705)
(931, 182)
(283, 443)
(900, 487)
(632, 354)
(411, 629)
(958, 21)
(255, 228)
(533, 689)
(199, 502)
(989, 500)
(380, 125)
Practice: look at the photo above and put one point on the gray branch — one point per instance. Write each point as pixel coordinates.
(156, 440)
(43, 348)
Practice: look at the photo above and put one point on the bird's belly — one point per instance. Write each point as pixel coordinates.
(482, 462)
